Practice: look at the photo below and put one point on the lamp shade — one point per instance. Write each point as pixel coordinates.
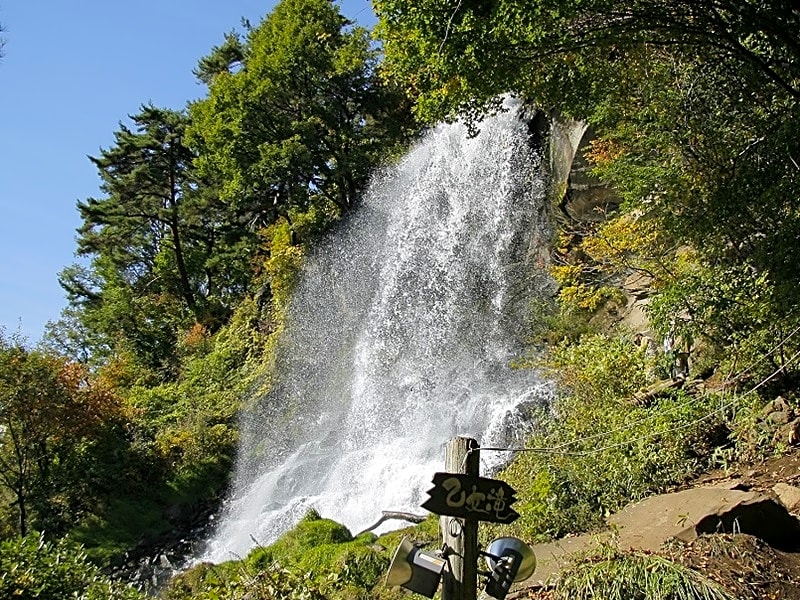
(508, 546)
(415, 570)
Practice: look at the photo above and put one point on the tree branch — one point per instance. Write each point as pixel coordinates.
(389, 515)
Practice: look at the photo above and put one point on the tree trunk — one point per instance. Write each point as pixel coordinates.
(23, 513)
(174, 226)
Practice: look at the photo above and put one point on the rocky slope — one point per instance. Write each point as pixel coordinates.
(740, 528)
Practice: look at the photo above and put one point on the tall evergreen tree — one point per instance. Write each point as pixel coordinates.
(164, 252)
(147, 179)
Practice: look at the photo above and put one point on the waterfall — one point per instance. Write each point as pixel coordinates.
(400, 336)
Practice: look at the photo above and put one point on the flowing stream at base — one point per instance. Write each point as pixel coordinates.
(400, 337)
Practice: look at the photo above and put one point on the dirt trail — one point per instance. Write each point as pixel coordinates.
(753, 509)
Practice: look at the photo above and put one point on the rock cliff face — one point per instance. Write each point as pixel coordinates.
(580, 196)
(583, 200)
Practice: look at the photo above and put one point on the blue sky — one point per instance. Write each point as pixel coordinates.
(71, 71)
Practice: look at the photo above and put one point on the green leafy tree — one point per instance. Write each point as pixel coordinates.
(116, 318)
(296, 115)
(52, 415)
(70, 335)
(456, 58)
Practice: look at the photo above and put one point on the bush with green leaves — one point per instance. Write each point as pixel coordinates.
(739, 318)
(317, 559)
(597, 448)
(33, 568)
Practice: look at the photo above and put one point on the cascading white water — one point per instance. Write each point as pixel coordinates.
(400, 337)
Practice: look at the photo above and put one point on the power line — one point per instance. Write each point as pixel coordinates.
(763, 357)
(557, 449)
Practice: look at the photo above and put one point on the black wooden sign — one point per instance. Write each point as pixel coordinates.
(469, 497)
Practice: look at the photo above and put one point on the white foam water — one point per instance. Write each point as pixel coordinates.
(400, 337)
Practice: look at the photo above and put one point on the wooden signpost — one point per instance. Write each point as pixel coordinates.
(470, 497)
(463, 498)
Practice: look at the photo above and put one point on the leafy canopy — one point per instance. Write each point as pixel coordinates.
(457, 57)
(301, 121)
(55, 421)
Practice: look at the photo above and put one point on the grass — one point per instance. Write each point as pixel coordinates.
(612, 574)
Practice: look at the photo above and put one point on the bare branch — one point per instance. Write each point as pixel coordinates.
(389, 515)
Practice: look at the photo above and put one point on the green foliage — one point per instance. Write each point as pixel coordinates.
(33, 568)
(294, 121)
(184, 439)
(714, 191)
(311, 534)
(117, 525)
(612, 574)
(326, 548)
(575, 293)
(567, 55)
(223, 58)
(600, 369)
(180, 437)
(165, 251)
(552, 321)
(732, 308)
(318, 559)
(302, 121)
(643, 449)
(207, 582)
(714, 176)
(283, 264)
(183, 433)
(692, 148)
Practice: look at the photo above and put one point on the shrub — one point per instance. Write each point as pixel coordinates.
(33, 568)
(318, 559)
(597, 449)
(612, 574)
